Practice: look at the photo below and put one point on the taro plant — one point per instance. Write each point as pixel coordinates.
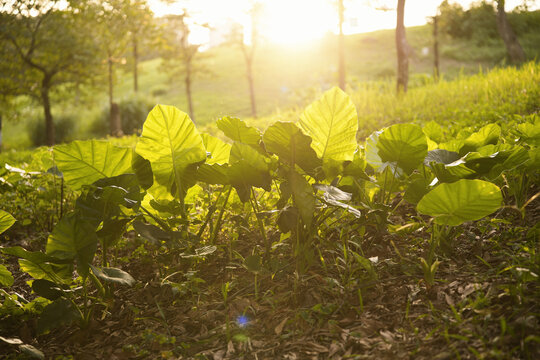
(96, 169)
(450, 205)
(316, 149)
(6, 221)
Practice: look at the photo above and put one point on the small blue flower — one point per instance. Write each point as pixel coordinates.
(242, 321)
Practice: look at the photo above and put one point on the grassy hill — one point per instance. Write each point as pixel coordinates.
(286, 78)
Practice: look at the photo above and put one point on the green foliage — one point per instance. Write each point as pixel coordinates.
(173, 199)
(83, 162)
(478, 22)
(133, 112)
(404, 144)
(464, 200)
(6, 220)
(332, 124)
(173, 146)
(64, 129)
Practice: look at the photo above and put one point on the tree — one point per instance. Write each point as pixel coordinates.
(402, 48)
(42, 48)
(435, 23)
(140, 22)
(249, 48)
(513, 48)
(341, 46)
(179, 54)
(112, 33)
(249, 53)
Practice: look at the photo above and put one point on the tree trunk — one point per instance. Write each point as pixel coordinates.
(135, 65)
(188, 91)
(249, 65)
(341, 47)
(46, 102)
(402, 50)
(115, 122)
(513, 48)
(436, 72)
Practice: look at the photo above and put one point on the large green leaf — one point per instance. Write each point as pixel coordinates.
(237, 130)
(75, 239)
(102, 200)
(447, 165)
(248, 168)
(372, 152)
(287, 141)
(404, 144)
(6, 220)
(488, 134)
(214, 174)
(464, 200)
(6, 278)
(83, 162)
(59, 312)
(173, 146)
(303, 197)
(47, 289)
(143, 171)
(218, 149)
(332, 123)
(113, 275)
(40, 265)
(433, 131)
(214, 171)
(529, 132)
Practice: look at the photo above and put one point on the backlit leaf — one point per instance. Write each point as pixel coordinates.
(287, 141)
(6, 278)
(218, 149)
(404, 144)
(174, 147)
(6, 221)
(83, 162)
(73, 238)
(113, 275)
(464, 200)
(237, 130)
(332, 123)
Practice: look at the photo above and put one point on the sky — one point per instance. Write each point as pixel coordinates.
(300, 21)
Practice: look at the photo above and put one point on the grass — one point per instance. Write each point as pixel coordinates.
(288, 78)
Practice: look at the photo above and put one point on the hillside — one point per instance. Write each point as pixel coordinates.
(285, 78)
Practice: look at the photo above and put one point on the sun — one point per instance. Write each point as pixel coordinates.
(292, 22)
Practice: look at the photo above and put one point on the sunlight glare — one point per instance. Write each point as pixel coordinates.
(299, 21)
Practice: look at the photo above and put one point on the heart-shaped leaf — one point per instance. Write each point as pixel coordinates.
(113, 275)
(40, 265)
(237, 130)
(464, 200)
(59, 312)
(248, 168)
(6, 278)
(83, 162)
(253, 263)
(219, 151)
(75, 239)
(293, 147)
(6, 221)
(488, 134)
(404, 144)
(174, 147)
(303, 197)
(47, 289)
(332, 123)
